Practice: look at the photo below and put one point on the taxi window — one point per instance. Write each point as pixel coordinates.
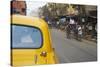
(26, 37)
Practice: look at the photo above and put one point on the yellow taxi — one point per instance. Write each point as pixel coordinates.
(30, 42)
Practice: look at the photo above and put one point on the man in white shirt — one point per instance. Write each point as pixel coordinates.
(72, 21)
(79, 32)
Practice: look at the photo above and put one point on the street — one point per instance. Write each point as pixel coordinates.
(73, 29)
(71, 50)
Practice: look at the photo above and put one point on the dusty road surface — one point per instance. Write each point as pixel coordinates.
(71, 50)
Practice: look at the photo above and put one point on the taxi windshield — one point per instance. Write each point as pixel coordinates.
(26, 37)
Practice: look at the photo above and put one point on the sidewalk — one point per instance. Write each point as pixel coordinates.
(88, 37)
(93, 40)
(89, 42)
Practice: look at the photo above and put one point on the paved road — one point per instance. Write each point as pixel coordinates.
(71, 50)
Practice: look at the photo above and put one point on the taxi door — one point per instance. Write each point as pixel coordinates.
(26, 45)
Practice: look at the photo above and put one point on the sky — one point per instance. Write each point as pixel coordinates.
(32, 6)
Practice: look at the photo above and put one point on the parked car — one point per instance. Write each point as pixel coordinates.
(30, 42)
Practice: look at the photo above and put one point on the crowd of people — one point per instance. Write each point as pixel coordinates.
(74, 28)
(71, 28)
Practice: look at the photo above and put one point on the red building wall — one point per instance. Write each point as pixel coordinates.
(18, 7)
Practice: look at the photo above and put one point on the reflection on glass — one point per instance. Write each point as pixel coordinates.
(26, 37)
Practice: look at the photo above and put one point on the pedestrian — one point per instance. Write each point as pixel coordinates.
(72, 23)
(58, 24)
(76, 32)
(79, 32)
(68, 31)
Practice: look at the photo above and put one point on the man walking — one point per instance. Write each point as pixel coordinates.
(79, 33)
(68, 31)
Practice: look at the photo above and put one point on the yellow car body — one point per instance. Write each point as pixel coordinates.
(27, 57)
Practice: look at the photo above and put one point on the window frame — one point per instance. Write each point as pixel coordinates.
(30, 27)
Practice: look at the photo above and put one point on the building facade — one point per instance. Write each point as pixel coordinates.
(18, 7)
